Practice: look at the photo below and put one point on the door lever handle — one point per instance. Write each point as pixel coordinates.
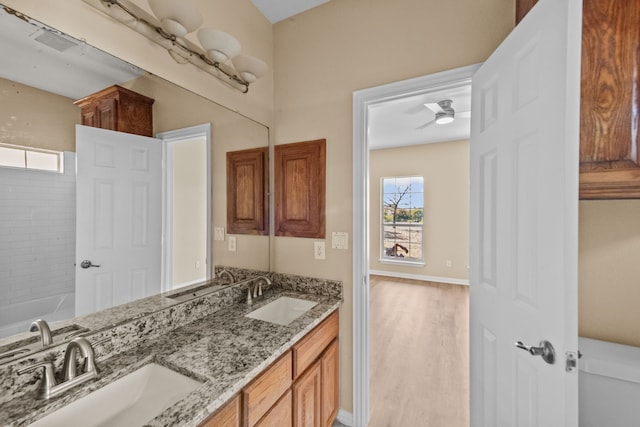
(87, 263)
(544, 349)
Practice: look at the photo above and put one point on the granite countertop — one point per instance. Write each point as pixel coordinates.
(224, 350)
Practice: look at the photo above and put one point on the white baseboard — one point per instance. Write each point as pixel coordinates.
(449, 280)
(345, 417)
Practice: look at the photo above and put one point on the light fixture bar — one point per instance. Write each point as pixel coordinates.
(179, 51)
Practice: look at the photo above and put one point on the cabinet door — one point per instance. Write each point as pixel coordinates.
(300, 170)
(265, 391)
(609, 127)
(330, 383)
(228, 416)
(107, 114)
(307, 398)
(279, 415)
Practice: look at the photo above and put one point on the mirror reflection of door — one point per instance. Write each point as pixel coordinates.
(118, 218)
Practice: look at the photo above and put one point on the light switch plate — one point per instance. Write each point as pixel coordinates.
(232, 243)
(218, 233)
(340, 240)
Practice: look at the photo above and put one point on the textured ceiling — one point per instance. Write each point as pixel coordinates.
(277, 10)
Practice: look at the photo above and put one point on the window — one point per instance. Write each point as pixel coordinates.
(30, 158)
(402, 219)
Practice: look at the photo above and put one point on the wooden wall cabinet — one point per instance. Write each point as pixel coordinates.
(609, 101)
(119, 109)
(247, 189)
(300, 189)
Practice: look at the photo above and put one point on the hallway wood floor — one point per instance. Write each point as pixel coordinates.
(419, 354)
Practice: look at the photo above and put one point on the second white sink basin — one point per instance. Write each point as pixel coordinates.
(282, 311)
(130, 401)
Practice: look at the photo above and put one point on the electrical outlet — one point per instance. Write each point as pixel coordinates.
(448, 263)
(232, 243)
(197, 265)
(318, 250)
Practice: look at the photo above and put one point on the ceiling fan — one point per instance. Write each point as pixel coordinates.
(444, 113)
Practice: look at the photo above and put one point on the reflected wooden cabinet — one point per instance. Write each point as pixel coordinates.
(119, 109)
(609, 102)
(247, 188)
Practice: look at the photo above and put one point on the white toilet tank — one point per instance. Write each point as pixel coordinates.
(609, 384)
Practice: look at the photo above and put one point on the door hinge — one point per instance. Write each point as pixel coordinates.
(572, 361)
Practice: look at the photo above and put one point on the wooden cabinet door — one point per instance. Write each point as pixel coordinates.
(227, 416)
(307, 405)
(330, 383)
(264, 392)
(609, 126)
(107, 114)
(300, 170)
(247, 188)
(280, 414)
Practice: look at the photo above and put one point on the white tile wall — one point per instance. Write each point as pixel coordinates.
(37, 232)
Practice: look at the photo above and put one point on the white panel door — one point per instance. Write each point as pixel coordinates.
(118, 218)
(524, 217)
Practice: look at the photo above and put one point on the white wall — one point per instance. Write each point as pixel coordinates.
(37, 233)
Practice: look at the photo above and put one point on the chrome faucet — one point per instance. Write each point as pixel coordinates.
(45, 332)
(49, 387)
(257, 288)
(228, 275)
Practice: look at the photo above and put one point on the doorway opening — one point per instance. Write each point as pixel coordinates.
(366, 104)
(187, 206)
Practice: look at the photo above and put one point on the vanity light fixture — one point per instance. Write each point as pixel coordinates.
(172, 21)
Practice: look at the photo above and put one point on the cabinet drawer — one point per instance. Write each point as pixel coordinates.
(227, 416)
(279, 415)
(264, 391)
(313, 344)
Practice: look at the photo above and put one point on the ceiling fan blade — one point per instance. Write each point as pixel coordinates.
(433, 106)
(463, 114)
(415, 110)
(429, 123)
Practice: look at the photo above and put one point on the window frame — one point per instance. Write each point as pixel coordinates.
(383, 257)
(59, 155)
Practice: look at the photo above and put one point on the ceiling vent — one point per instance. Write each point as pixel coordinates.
(54, 41)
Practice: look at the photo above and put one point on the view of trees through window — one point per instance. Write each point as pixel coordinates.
(402, 218)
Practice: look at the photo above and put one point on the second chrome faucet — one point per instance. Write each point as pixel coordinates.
(50, 386)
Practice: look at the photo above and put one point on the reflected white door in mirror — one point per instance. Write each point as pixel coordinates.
(118, 218)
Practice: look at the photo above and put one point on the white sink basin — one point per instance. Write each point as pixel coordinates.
(282, 311)
(130, 401)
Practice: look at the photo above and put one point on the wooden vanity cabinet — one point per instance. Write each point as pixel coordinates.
(316, 370)
(300, 389)
(609, 105)
(266, 390)
(119, 109)
(227, 416)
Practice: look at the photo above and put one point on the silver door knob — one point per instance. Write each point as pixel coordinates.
(544, 349)
(87, 263)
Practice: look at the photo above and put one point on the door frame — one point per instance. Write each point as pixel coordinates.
(168, 138)
(362, 100)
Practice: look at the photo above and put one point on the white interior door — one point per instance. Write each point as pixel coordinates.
(119, 218)
(524, 214)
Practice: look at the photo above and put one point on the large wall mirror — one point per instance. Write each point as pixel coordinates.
(42, 75)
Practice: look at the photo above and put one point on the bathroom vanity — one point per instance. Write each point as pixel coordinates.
(251, 372)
